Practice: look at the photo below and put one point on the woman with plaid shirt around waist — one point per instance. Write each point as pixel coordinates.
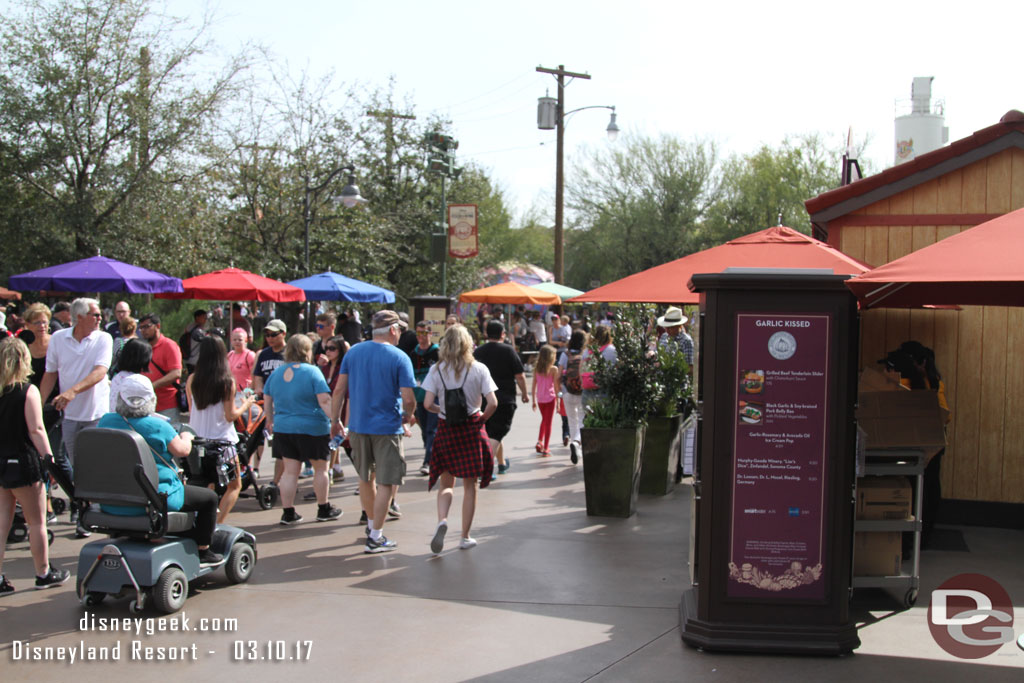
(459, 450)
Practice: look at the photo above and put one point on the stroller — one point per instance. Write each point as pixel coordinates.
(204, 467)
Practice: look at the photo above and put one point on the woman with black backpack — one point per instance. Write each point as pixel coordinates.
(461, 448)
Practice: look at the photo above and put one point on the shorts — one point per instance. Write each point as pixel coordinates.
(19, 471)
(381, 454)
(302, 446)
(500, 422)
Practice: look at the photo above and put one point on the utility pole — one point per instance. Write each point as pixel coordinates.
(560, 73)
(442, 162)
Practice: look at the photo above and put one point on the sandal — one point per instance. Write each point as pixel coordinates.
(539, 447)
(546, 454)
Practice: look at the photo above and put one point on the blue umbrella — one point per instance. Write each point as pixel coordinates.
(96, 274)
(330, 286)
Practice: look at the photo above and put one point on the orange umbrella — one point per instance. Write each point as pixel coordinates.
(981, 266)
(778, 247)
(510, 293)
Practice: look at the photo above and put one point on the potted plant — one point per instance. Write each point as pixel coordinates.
(661, 451)
(613, 428)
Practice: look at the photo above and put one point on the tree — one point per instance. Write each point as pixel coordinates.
(100, 104)
(758, 187)
(637, 205)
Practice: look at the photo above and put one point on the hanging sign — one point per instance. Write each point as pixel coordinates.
(463, 241)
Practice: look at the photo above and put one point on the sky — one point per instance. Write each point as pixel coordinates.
(739, 73)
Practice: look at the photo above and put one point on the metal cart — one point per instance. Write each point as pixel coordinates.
(908, 463)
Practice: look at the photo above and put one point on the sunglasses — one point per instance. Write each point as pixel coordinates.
(320, 326)
(98, 316)
(330, 348)
(272, 334)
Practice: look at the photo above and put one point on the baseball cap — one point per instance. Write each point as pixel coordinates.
(276, 325)
(384, 318)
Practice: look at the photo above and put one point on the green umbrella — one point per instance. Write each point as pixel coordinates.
(555, 288)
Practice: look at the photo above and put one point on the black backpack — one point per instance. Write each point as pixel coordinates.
(456, 409)
(573, 381)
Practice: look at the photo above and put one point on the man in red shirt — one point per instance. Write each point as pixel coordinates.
(164, 369)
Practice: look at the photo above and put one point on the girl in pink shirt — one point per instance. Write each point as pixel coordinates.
(240, 359)
(546, 381)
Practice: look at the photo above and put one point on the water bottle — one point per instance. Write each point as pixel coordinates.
(222, 474)
(336, 442)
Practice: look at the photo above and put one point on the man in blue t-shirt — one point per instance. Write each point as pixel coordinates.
(378, 379)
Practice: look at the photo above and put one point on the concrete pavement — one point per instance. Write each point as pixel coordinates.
(549, 594)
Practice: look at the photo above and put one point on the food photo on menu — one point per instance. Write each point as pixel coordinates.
(750, 412)
(752, 381)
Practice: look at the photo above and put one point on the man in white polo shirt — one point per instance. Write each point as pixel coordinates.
(79, 358)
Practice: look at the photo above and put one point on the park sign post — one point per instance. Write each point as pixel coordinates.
(773, 522)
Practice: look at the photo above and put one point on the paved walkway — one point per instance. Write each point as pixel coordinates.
(548, 595)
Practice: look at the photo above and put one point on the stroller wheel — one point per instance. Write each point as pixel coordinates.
(265, 496)
(59, 505)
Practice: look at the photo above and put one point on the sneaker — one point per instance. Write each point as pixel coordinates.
(327, 512)
(51, 518)
(5, 586)
(381, 545)
(309, 496)
(394, 512)
(73, 517)
(290, 517)
(502, 469)
(82, 532)
(574, 454)
(437, 543)
(208, 558)
(363, 518)
(546, 454)
(255, 474)
(467, 543)
(54, 577)
(339, 474)
(306, 473)
(425, 470)
(565, 441)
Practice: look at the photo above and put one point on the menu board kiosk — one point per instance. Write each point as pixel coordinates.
(433, 310)
(773, 514)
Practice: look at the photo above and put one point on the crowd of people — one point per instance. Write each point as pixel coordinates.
(343, 389)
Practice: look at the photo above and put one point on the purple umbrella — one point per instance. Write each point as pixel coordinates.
(96, 274)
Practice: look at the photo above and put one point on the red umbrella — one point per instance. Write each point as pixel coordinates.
(981, 266)
(234, 284)
(778, 247)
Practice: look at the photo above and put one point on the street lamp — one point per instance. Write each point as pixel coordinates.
(551, 114)
(349, 197)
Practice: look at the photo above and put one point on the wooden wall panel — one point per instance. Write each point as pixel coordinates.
(950, 193)
(876, 245)
(1012, 479)
(925, 197)
(852, 241)
(947, 327)
(872, 337)
(1017, 180)
(968, 406)
(997, 183)
(897, 320)
(993, 403)
(973, 191)
(902, 203)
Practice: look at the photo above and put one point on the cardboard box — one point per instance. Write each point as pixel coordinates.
(877, 553)
(902, 419)
(873, 380)
(884, 498)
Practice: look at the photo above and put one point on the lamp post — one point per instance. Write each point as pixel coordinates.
(551, 114)
(350, 198)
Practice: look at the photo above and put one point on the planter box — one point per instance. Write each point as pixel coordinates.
(611, 470)
(660, 455)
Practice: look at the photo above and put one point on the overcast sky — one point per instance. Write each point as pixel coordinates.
(742, 74)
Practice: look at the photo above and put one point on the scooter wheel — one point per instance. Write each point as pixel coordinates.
(49, 537)
(136, 607)
(265, 497)
(240, 564)
(93, 598)
(170, 591)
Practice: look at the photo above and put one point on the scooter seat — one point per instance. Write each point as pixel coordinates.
(177, 522)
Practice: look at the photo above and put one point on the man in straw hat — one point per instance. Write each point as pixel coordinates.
(673, 322)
